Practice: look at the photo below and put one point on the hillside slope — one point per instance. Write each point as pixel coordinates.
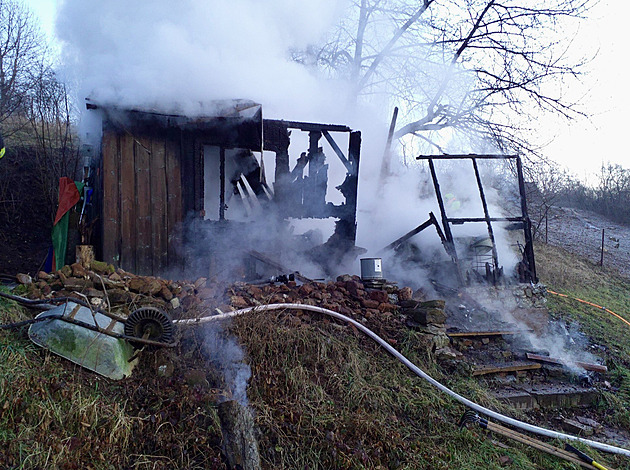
(324, 396)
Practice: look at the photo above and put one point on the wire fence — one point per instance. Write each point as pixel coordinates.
(594, 237)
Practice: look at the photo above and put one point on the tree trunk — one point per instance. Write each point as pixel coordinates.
(239, 443)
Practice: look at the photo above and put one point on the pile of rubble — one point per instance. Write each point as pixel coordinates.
(378, 309)
(107, 287)
(387, 308)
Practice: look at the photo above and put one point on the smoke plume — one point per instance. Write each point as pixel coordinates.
(227, 357)
(175, 55)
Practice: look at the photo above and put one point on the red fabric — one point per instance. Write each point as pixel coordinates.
(68, 197)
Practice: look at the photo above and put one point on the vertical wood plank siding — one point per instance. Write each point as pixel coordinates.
(111, 202)
(142, 202)
(144, 251)
(174, 203)
(128, 203)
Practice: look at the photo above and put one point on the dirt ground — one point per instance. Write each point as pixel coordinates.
(580, 232)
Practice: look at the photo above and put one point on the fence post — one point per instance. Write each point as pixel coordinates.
(601, 260)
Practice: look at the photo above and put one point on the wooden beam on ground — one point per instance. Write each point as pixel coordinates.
(467, 334)
(552, 360)
(506, 367)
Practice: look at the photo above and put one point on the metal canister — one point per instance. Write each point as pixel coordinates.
(371, 268)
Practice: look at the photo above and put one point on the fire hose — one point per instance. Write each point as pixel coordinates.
(569, 453)
(592, 305)
(415, 369)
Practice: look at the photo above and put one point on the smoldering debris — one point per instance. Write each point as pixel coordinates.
(520, 312)
(226, 356)
(239, 440)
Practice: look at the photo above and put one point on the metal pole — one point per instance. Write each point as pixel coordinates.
(601, 260)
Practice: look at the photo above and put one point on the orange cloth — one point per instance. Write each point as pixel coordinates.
(68, 197)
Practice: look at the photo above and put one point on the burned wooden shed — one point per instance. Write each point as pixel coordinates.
(162, 179)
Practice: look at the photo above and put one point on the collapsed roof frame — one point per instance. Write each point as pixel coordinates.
(528, 274)
(305, 196)
(149, 178)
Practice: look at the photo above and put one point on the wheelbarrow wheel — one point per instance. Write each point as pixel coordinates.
(150, 323)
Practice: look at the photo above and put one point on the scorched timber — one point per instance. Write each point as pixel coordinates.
(583, 365)
(466, 334)
(507, 367)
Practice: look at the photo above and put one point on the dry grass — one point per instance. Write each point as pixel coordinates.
(54, 415)
(325, 397)
(570, 274)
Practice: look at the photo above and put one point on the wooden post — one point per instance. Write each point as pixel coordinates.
(527, 224)
(495, 255)
(546, 228)
(239, 441)
(222, 183)
(385, 167)
(601, 259)
(450, 242)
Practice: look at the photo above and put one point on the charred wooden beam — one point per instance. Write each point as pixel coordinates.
(350, 186)
(222, 183)
(462, 220)
(495, 256)
(396, 243)
(274, 264)
(552, 360)
(466, 156)
(388, 146)
(470, 334)
(527, 229)
(317, 182)
(239, 440)
(312, 126)
(338, 151)
(450, 243)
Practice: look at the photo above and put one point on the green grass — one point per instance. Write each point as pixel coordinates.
(569, 274)
(324, 397)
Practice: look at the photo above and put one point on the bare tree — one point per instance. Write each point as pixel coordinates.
(548, 182)
(35, 110)
(22, 47)
(470, 66)
(49, 113)
(612, 195)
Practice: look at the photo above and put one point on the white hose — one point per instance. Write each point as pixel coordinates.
(415, 369)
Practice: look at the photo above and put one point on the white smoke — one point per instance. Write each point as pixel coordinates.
(173, 56)
(228, 357)
(166, 54)
(403, 201)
